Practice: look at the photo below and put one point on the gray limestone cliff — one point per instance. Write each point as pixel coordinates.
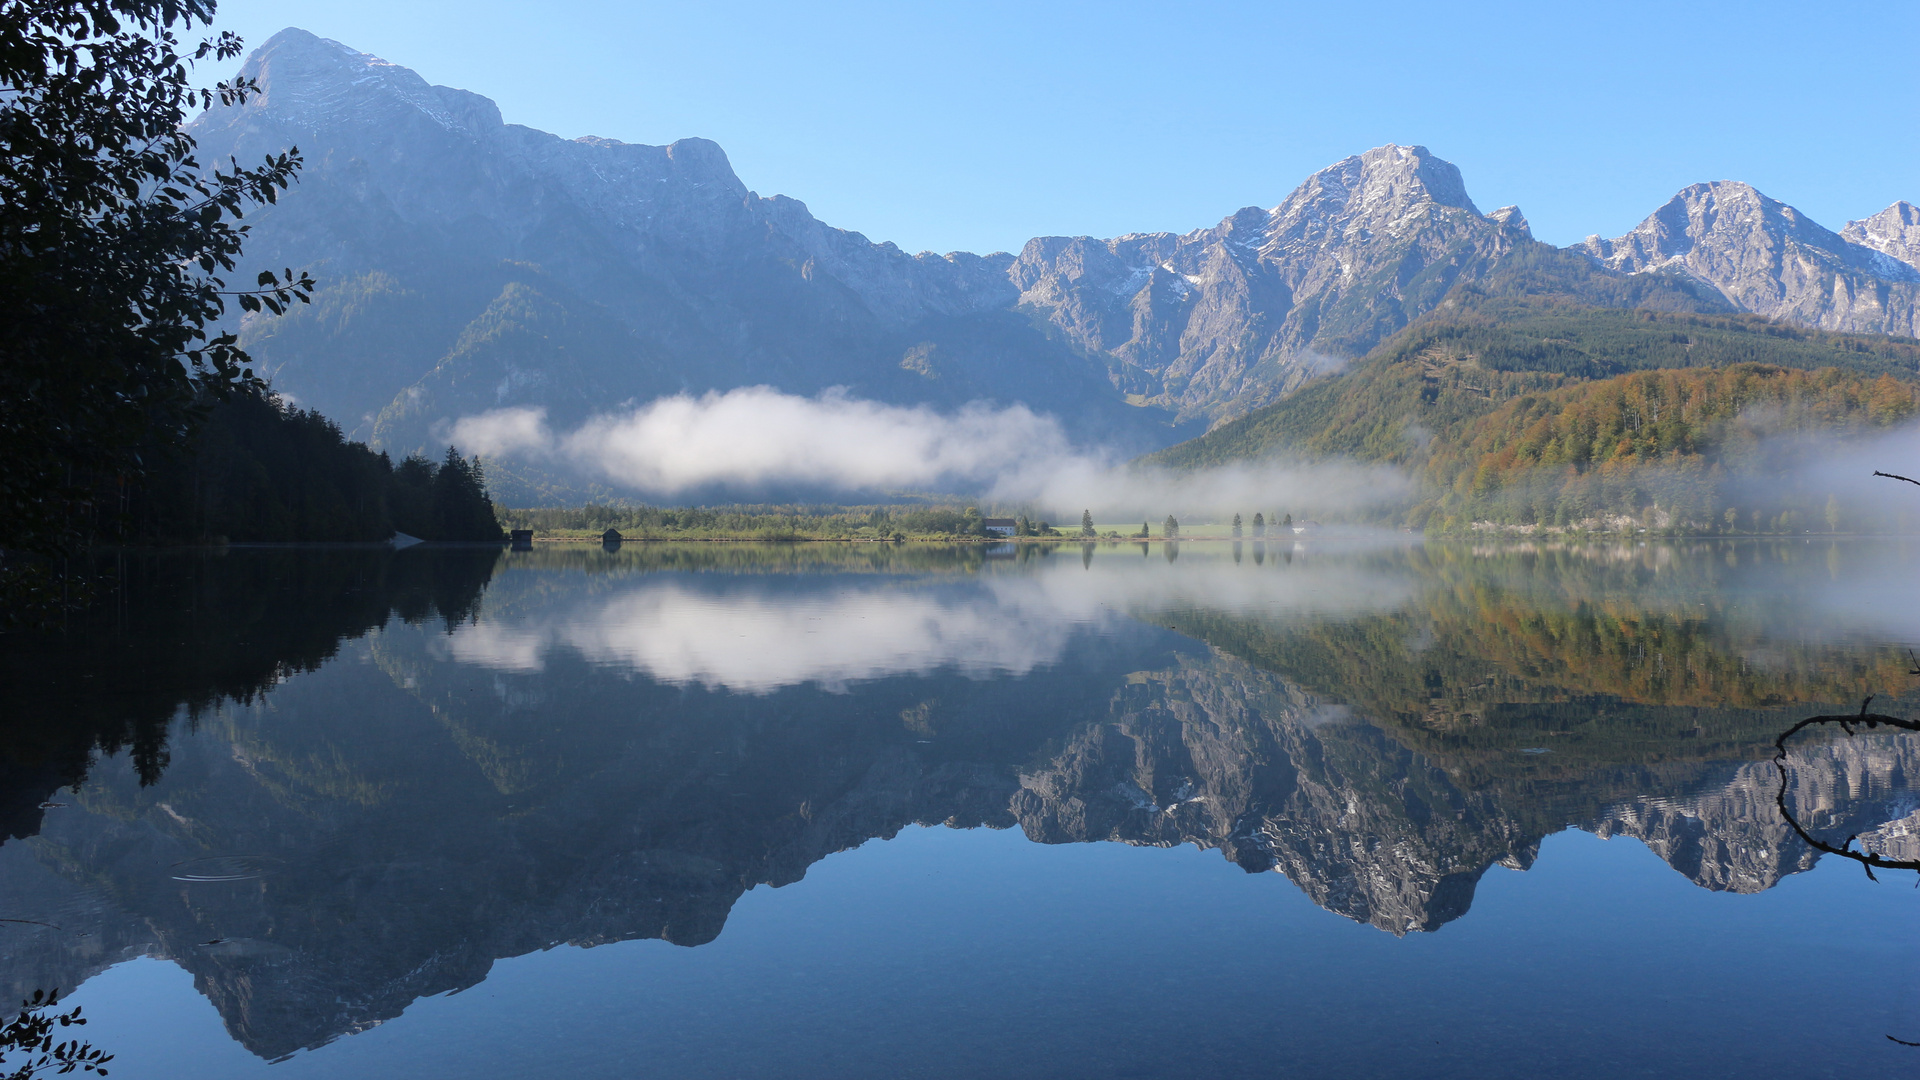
(469, 264)
(1768, 258)
(1894, 232)
(1224, 319)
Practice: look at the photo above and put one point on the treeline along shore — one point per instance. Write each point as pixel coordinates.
(754, 522)
(259, 470)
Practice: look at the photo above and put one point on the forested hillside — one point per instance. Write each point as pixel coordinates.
(1680, 440)
(1523, 411)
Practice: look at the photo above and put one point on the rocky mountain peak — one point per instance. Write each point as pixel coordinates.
(1511, 218)
(1894, 231)
(1767, 257)
(1709, 214)
(1388, 189)
(314, 83)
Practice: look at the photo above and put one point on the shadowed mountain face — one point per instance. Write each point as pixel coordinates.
(469, 264)
(472, 264)
(616, 746)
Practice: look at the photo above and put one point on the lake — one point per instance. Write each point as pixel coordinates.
(1333, 809)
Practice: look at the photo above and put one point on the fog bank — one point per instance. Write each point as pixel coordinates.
(758, 442)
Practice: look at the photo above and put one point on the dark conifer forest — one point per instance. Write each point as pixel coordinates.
(259, 470)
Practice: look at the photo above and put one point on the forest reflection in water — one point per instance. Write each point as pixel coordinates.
(332, 783)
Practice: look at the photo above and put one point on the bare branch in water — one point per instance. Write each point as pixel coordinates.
(1867, 859)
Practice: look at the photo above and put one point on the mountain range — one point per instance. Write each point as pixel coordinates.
(469, 264)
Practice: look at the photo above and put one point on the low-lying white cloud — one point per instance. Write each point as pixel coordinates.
(757, 439)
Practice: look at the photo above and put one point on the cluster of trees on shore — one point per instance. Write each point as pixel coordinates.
(260, 470)
(753, 522)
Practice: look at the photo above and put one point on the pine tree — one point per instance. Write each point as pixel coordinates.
(1259, 524)
(1236, 526)
(1287, 522)
(1086, 523)
(1171, 529)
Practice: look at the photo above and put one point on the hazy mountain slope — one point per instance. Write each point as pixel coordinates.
(419, 205)
(1768, 258)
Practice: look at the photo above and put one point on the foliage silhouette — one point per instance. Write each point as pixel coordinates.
(115, 249)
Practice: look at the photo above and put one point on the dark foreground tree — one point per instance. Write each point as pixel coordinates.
(115, 246)
(36, 1043)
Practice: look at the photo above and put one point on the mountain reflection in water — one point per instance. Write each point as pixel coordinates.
(331, 783)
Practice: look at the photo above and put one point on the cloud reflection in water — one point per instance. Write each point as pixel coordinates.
(755, 634)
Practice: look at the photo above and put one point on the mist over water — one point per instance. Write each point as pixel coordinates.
(757, 442)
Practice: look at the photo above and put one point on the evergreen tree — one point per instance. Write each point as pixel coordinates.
(1086, 523)
(1236, 526)
(461, 510)
(1287, 522)
(1259, 524)
(1171, 528)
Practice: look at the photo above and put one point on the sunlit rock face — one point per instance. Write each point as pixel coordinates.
(1768, 258)
(1894, 232)
(1228, 318)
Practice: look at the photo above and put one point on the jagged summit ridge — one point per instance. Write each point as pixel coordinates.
(314, 82)
(1389, 189)
(1767, 257)
(1894, 232)
(1224, 319)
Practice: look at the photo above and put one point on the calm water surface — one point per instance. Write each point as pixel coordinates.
(1316, 810)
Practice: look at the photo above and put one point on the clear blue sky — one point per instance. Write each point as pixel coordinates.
(977, 125)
